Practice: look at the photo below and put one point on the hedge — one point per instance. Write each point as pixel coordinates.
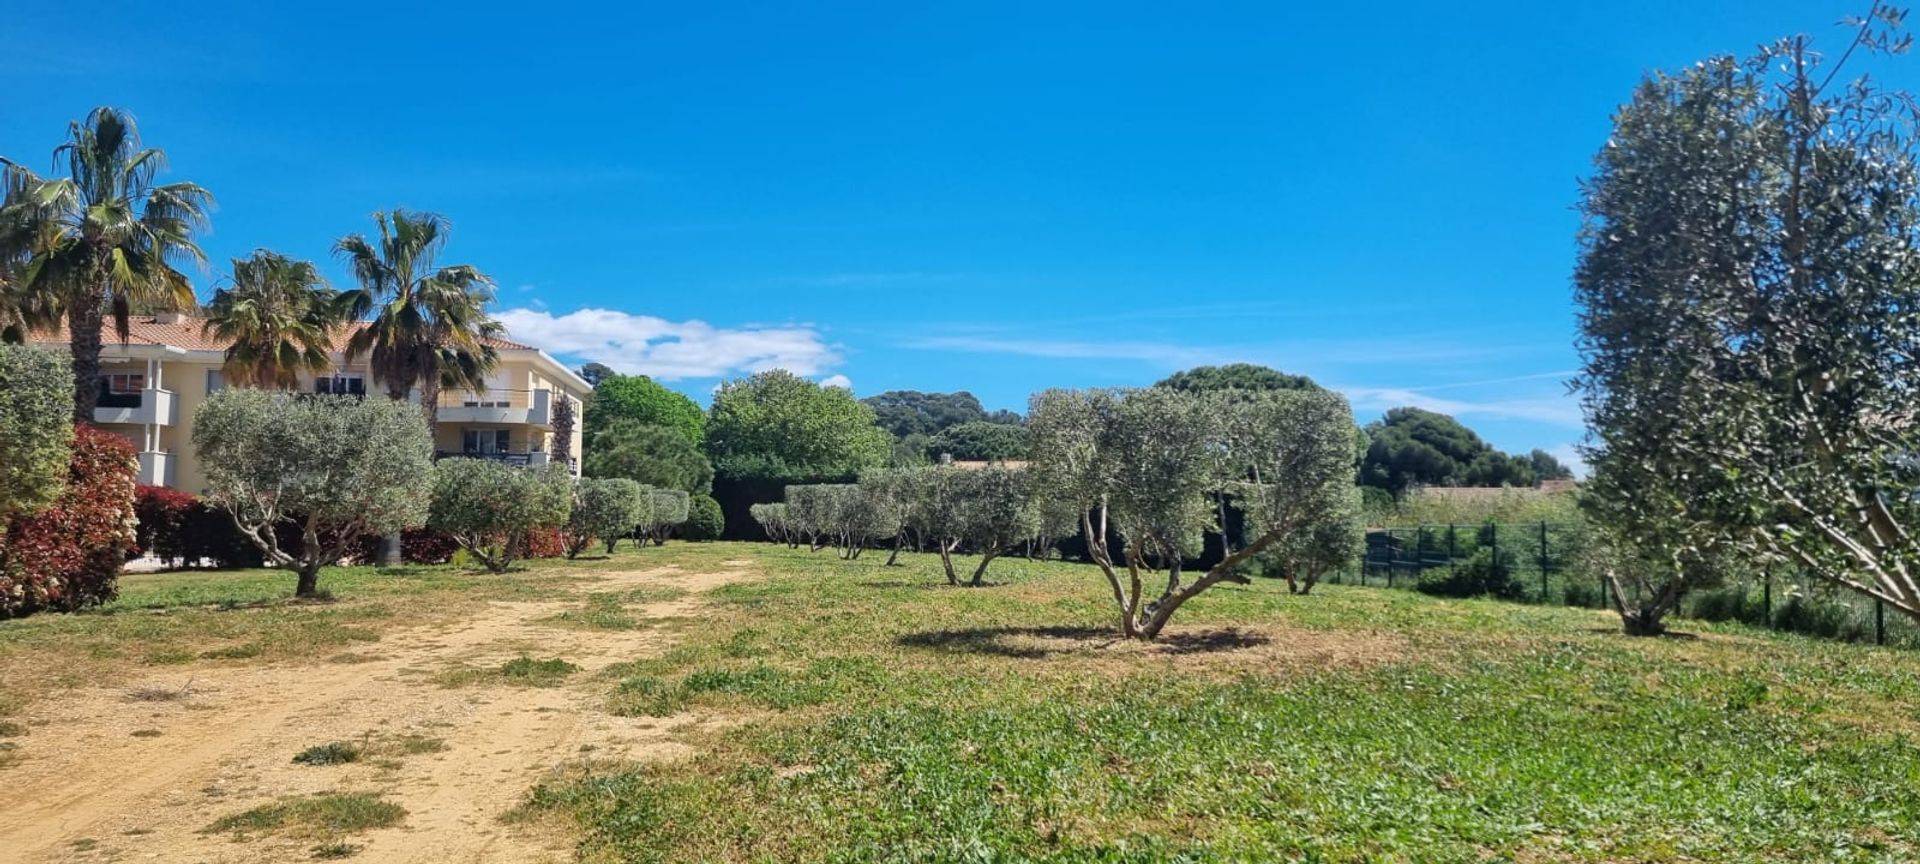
(68, 556)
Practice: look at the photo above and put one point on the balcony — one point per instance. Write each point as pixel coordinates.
(156, 468)
(148, 406)
(499, 407)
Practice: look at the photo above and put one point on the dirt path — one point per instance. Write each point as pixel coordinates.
(139, 771)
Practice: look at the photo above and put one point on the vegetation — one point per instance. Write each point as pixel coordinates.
(990, 510)
(907, 413)
(67, 555)
(704, 519)
(493, 508)
(102, 241)
(638, 399)
(980, 440)
(1160, 465)
(429, 327)
(1745, 292)
(1412, 447)
(666, 510)
(895, 723)
(604, 510)
(315, 818)
(777, 425)
(648, 454)
(1235, 376)
(36, 433)
(280, 319)
(332, 469)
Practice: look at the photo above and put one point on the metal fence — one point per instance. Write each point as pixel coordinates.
(1539, 561)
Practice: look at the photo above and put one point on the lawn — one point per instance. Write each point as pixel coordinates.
(892, 719)
(872, 713)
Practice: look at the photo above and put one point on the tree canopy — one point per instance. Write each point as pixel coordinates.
(36, 428)
(980, 440)
(332, 468)
(1414, 447)
(654, 456)
(1236, 376)
(777, 425)
(1747, 289)
(640, 399)
(912, 412)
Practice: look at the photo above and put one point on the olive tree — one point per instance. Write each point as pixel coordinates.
(36, 428)
(889, 496)
(1156, 464)
(984, 509)
(666, 510)
(1748, 278)
(490, 507)
(640, 521)
(773, 520)
(333, 468)
(1303, 558)
(603, 509)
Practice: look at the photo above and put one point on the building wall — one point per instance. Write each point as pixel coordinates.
(187, 379)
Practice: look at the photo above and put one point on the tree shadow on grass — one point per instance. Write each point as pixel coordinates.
(1676, 635)
(924, 583)
(1038, 643)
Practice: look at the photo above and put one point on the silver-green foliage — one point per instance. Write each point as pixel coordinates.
(36, 427)
(988, 510)
(1159, 466)
(491, 507)
(605, 509)
(336, 467)
(666, 510)
(773, 520)
(1747, 287)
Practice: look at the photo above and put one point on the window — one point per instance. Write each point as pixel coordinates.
(484, 440)
(125, 383)
(344, 385)
(215, 381)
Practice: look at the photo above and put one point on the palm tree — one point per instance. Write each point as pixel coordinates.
(429, 324)
(279, 318)
(102, 240)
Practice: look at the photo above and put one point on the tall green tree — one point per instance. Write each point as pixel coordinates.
(1236, 376)
(1749, 270)
(640, 399)
(429, 326)
(279, 319)
(36, 429)
(912, 412)
(778, 425)
(103, 241)
(654, 456)
(1414, 447)
(978, 440)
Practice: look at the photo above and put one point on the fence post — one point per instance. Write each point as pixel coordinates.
(1453, 554)
(1389, 557)
(1766, 597)
(1879, 621)
(1543, 560)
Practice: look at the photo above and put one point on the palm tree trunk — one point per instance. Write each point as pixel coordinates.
(430, 403)
(84, 318)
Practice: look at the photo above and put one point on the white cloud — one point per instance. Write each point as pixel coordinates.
(1558, 410)
(671, 350)
(840, 381)
(1171, 355)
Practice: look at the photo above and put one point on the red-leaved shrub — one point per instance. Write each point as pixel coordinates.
(545, 543)
(417, 546)
(69, 555)
(182, 530)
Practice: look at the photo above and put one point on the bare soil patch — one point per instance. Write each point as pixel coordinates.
(223, 741)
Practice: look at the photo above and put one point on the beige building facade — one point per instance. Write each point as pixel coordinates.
(151, 384)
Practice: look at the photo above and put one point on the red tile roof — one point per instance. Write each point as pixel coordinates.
(188, 331)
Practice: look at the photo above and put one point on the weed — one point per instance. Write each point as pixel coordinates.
(522, 671)
(146, 733)
(12, 729)
(334, 851)
(317, 817)
(330, 753)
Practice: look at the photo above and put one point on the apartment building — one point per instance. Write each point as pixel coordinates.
(151, 384)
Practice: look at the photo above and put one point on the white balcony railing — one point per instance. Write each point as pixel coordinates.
(509, 407)
(148, 406)
(156, 468)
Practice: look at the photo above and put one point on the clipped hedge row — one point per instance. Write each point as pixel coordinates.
(68, 556)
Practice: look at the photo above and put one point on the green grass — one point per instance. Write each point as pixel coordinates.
(522, 671)
(320, 817)
(608, 610)
(330, 753)
(894, 720)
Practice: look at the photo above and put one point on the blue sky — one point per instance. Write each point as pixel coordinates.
(993, 197)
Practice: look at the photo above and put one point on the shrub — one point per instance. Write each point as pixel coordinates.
(36, 427)
(1485, 574)
(417, 546)
(162, 513)
(180, 529)
(331, 469)
(704, 519)
(773, 520)
(604, 509)
(68, 555)
(499, 512)
(667, 509)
